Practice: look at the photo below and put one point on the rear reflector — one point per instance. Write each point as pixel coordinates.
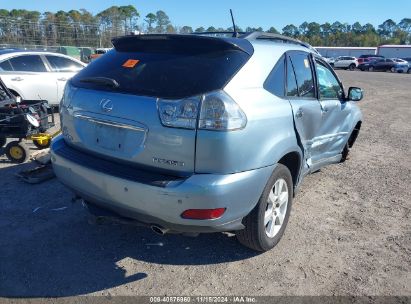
(203, 214)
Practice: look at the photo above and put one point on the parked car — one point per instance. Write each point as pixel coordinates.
(401, 67)
(346, 62)
(35, 75)
(378, 65)
(193, 134)
(369, 57)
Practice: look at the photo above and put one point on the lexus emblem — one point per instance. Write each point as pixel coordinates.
(106, 105)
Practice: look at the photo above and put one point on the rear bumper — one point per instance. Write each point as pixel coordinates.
(161, 203)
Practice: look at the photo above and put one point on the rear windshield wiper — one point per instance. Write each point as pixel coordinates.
(109, 82)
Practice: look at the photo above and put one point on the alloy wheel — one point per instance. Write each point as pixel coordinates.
(276, 208)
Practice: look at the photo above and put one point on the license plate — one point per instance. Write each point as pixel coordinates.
(110, 138)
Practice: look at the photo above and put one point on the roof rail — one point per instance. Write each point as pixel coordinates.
(276, 38)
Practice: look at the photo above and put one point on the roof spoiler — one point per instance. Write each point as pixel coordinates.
(185, 44)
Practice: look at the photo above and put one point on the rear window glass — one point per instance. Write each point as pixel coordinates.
(61, 64)
(6, 66)
(164, 75)
(275, 83)
(291, 81)
(28, 63)
(303, 73)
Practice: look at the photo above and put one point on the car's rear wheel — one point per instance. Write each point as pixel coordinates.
(265, 224)
(409, 71)
(351, 67)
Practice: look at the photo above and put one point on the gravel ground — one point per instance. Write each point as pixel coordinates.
(349, 232)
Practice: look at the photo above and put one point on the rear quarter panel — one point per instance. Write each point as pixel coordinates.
(269, 133)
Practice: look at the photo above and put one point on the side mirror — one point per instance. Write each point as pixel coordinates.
(355, 94)
(18, 99)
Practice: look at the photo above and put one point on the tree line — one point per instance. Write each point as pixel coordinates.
(82, 28)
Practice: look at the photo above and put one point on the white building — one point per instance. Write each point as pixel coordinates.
(330, 51)
(394, 51)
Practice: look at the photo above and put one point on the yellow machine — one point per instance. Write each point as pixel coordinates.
(42, 140)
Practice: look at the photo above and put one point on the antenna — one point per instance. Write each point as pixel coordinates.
(235, 33)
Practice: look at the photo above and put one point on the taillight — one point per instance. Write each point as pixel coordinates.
(215, 111)
(181, 113)
(219, 112)
(203, 214)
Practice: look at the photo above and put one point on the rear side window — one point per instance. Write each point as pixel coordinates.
(292, 89)
(302, 67)
(62, 64)
(164, 74)
(28, 63)
(275, 82)
(6, 66)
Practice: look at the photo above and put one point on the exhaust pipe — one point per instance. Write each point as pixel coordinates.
(159, 230)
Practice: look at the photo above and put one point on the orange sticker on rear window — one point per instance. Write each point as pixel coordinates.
(131, 63)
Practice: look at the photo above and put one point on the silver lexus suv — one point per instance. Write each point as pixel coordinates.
(191, 134)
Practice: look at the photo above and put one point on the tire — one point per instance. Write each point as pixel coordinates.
(345, 153)
(371, 69)
(409, 71)
(17, 152)
(255, 235)
(351, 67)
(3, 141)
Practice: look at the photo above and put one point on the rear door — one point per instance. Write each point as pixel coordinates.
(380, 65)
(62, 69)
(301, 93)
(30, 78)
(339, 62)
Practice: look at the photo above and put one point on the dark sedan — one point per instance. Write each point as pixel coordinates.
(377, 65)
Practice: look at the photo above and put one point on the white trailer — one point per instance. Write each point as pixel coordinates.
(394, 51)
(329, 51)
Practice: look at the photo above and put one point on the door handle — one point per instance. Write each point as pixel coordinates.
(17, 79)
(324, 108)
(299, 113)
(62, 79)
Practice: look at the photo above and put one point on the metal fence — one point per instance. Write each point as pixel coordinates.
(44, 33)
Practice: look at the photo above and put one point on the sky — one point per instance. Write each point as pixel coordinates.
(253, 13)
